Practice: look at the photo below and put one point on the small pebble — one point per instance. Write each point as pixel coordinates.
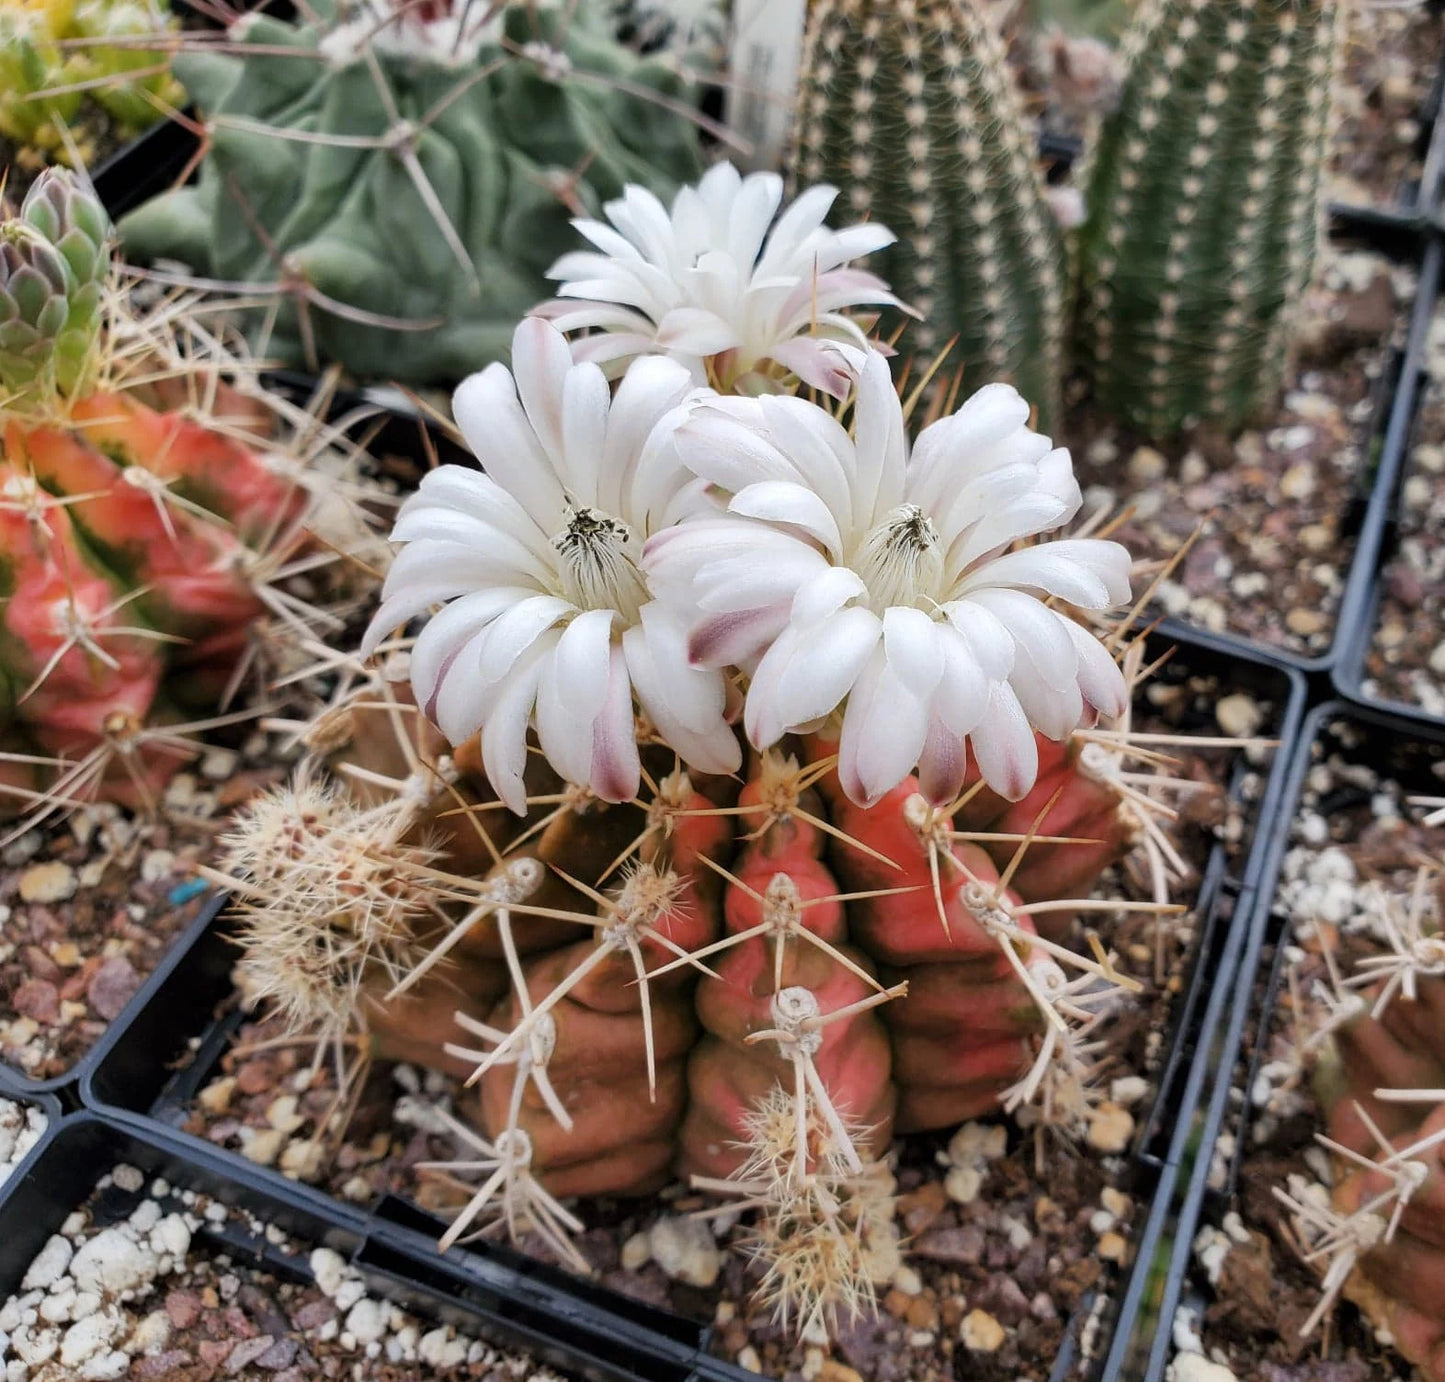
(1110, 1128)
(981, 1332)
(54, 881)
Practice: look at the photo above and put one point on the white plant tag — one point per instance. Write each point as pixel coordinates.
(767, 50)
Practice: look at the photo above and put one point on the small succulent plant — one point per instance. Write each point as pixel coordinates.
(54, 58)
(910, 108)
(1204, 208)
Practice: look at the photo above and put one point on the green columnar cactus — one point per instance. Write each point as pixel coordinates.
(403, 183)
(1204, 207)
(909, 107)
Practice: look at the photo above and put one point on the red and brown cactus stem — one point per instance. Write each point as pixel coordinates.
(785, 931)
(599, 1029)
(962, 1036)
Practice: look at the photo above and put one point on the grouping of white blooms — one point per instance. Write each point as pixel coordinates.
(723, 283)
(655, 548)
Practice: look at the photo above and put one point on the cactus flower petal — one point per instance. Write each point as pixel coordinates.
(548, 622)
(904, 604)
(722, 280)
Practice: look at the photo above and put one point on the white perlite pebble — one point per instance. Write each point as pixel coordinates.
(171, 1236)
(91, 1335)
(685, 1249)
(20, 1130)
(152, 1334)
(1194, 1367)
(636, 1252)
(49, 1265)
(441, 1351)
(329, 1269)
(349, 1292)
(111, 1263)
(367, 1321)
(128, 1178)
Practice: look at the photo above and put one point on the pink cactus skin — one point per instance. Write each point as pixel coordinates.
(623, 1140)
(63, 566)
(727, 1077)
(50, 587)
(1086, 809)
(960, 1037)
(214, 471)
(190, 569)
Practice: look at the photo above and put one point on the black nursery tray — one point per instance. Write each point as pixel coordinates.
(512, 1305)
(149, 1070)
(1404, 751)
(1382, 531)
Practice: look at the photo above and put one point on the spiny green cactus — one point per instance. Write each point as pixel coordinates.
(402, 182)
(909, 107)
(1204, 208)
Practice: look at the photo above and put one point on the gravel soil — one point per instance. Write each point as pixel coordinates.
(1251, 1292)
(1000, 1248)
(1276, 505)
(1392, 62)
(139, 1284)
(1407, 659)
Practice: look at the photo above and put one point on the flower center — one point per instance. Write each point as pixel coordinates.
(596, 570)
(901, 560)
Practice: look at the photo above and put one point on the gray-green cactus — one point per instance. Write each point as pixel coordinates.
(395, 185)
(1204, 208)
(909, 107)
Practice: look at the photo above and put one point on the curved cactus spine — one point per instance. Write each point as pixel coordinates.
(909, 107)
(1204, 208)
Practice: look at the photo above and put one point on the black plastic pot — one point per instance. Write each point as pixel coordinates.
(1405, 751)
(577, 1331)
(148, 1071)
(1379, 538)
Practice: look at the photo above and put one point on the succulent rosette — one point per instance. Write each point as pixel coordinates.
(847, 572)
(548, 621)
(722, 283)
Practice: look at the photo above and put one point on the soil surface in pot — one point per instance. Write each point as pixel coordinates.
(1392, 63)
(1000, 1249)
(1353, 835)
(1407, 659)
(136, 1285)
(1275, 504)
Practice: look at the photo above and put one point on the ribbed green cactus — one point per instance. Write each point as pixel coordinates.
(909, 107)
(1204, 208)
(400, 178)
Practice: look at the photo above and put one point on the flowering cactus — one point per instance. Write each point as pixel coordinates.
(399, 178)
(655, 969)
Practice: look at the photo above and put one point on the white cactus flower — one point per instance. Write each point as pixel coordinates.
(548, 623)
(846, 569)
(712, 286)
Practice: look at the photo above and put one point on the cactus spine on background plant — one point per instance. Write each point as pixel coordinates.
(910, 108)
(1204, 205)
(396, 184)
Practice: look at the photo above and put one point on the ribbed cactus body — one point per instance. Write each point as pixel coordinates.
(909, 107)
(404, 187)
(1204, 208)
